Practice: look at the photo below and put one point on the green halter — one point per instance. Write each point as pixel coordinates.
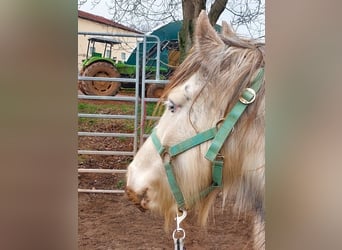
(218, 137)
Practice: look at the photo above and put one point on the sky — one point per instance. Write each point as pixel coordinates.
(101, 9)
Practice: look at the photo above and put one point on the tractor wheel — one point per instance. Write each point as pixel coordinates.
(80, 85)
(155, 90)
(95, 87)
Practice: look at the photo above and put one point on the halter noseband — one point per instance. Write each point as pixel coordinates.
(218, 136)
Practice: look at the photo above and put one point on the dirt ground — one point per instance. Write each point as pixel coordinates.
(110, 221)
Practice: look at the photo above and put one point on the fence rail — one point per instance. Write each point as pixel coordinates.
(139, 117)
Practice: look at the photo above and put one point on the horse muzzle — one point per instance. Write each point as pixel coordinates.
(140, 200)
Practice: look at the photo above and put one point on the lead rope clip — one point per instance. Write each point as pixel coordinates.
(178, 234)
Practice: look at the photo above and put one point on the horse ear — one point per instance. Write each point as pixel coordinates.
(205, 35)
(227, 30)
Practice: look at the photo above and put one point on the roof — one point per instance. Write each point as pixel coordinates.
(100, 19)
(104, 40)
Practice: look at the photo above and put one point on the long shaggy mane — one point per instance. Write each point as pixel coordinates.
(234, 64)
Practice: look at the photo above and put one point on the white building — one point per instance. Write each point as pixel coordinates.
(92, 23)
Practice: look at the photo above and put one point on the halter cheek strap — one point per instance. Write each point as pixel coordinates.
(247, 97)
(175, 150)
(218, 138)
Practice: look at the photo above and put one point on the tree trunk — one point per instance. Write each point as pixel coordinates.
(191, 10)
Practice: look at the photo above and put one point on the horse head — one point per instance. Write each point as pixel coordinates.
(201, 92)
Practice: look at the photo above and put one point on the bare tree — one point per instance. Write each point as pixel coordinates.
(245, 12)
(145, 15)
(249, 14)
(191, 10)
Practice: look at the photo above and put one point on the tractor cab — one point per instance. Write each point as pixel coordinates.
(101, 47)
(99, 62)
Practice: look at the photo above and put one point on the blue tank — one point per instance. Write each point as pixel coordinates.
(168, 35)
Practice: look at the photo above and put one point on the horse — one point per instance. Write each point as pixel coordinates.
(174, 168)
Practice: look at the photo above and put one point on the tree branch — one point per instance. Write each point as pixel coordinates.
(216, 10)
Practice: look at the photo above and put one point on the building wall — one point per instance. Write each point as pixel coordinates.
(120, 52)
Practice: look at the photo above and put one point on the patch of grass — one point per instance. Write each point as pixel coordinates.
(82, 158)
(100, 108)
(87, 121)
(119, 108)
(127, 108)
(123, 139)
(151, 111)
(120, 184)
(93, 108)
(150, 108)
(129, 125)
(87, 108)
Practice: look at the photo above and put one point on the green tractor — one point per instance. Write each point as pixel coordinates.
(99, 64)
(102, 64)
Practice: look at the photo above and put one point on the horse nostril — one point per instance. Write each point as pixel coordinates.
(131, 195)
(143, 205)
(140, 200)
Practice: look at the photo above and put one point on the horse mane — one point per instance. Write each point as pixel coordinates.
(229, 64)
(235, 47)
(239, 60)
(206, 87)
(236, 61)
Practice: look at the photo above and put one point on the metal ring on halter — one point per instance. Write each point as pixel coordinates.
(219, 122)
(250, 91)
(177, 231)
(166, 155)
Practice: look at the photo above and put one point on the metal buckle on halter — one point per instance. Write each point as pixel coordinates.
(219, 157)
(247, 96)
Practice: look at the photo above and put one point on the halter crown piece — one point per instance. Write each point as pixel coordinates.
(218, 138)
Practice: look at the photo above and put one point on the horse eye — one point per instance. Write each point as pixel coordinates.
(170, 105)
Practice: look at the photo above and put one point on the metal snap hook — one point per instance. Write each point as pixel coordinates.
(179, 219)
(178, 234)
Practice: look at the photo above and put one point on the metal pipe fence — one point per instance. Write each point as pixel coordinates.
(139, 117)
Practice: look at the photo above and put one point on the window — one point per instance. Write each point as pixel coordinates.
(91, 50)
(108, 53)
(123, 56)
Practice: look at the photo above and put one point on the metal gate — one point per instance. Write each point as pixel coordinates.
(139, 116)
